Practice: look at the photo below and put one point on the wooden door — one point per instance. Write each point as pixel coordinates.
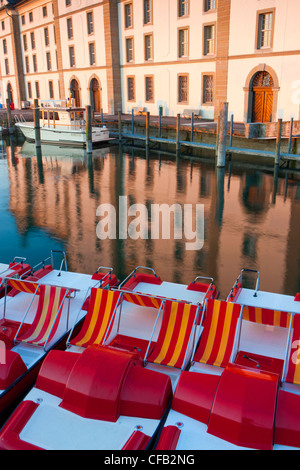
(262, 105)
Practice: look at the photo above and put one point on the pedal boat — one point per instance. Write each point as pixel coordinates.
(112, 387)
(38, 314)
(242, 389)
(16, 269)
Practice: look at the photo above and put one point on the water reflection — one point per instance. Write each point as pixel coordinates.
(252, 218)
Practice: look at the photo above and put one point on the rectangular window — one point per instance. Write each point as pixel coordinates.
(34, 63)
(149, 89)
(148, 47)
(208, 89)
(70, 28)
(6, 66)
(30, 17)
(48, 60)
(265, 30)
(25, 45)
(45, 14)
(209, 5)
(29, 89)
(72, 56)
(23, 19)
(68, 3)
(46, 36)
(183, 42)
(51, 91)
(131, 88)
(183, 8)
(209, 39)
(129, 49)
(183, 83)
(27, 68)
(92, 53)
(4, 46)
(148, 12)
(90, 22)
(128, 8)
(37, 89)
(32, 39)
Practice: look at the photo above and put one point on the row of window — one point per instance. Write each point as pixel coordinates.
(90, 25)
(183, 10)
(264, 39)
(183, 44)
(37, 90)
(182, 89)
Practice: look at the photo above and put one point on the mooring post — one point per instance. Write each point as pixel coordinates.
(132, 121)
(231, 131)
(291, 135)
(217, 134)
(147, 128)
(9, 118)
(89, 143)
(192, 129)
(159, 121)
(178, 133)
(102, 118)
(278, 141)
(221, 154)
(37, 128)
(120, 125)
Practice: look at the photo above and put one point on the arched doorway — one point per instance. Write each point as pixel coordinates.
(95, 95)
(262, 95)
(75, 92)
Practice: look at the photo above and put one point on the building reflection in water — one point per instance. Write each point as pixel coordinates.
(251, 218)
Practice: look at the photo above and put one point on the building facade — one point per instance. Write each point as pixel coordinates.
(178, 55)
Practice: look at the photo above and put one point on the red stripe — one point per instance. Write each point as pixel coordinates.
(99, 319)
(219, 333)
(174, 337)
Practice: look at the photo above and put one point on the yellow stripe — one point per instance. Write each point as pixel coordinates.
(277, 315)
(43, 315)
(225, 335)
(105, 317)
(155, 303)
(246, 313)
(258, 315)
(212, 332)
(93, 319)
(169, 333)
(181, 336)
(140, 301)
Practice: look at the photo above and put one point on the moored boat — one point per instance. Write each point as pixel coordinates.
(242, 388)
(37, 316)
(112, 387)
(62, 124)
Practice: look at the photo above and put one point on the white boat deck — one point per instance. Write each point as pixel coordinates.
(54, 428)
(262, 299)
(171, 290)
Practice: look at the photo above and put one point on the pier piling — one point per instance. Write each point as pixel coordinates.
(278, 141)
(222, 140)
(89, 140)
(9, 118)
(37, 128)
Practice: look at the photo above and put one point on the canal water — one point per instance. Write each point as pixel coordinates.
(241, 217)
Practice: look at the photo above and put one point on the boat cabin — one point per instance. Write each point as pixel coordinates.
(56, 113)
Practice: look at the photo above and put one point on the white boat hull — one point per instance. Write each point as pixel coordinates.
(63, 136)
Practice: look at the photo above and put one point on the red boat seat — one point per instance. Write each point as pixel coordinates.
(47, 316)
(175, 334)
(13, 368)
(293, 373)
(219, 330)
(103, 383)
(102, 306)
